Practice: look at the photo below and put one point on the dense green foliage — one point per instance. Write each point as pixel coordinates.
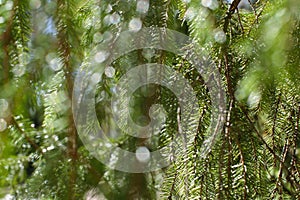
(257, 52)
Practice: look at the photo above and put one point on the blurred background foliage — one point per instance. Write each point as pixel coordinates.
(255, 46)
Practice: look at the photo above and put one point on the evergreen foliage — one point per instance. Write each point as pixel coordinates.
(45, 42)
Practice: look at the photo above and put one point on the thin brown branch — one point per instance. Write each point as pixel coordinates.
(180, 131)
(27, 138)
(256, 18)
(221, 165)
(279, 183)
(244, 168)
(65, 49)
(232, 8)
(259, 135)
(173, 187)
(228, 136)
(6, 39)
(240, 21)
(257, 131)
(274, 123)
